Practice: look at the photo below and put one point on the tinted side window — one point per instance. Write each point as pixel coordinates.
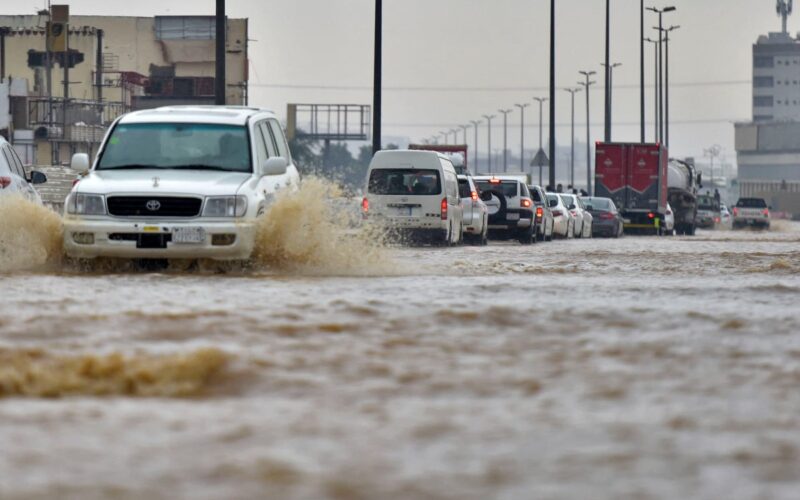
(261, 148)
(525, 192)
(12, 167)
(272, 147)
(463, 188)
(280, 139)
(15, 159)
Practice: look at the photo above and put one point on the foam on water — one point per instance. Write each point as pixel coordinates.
(30, 235)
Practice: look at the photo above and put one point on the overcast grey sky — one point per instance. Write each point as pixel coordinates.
(499, 46)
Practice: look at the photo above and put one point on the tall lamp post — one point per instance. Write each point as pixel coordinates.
(489, 130)
(655, 88)
(522, 135)
(377, 76)
(641, 70)
(552, 172)
(572, 92)
(455, 135)
(586, 84)
(660, 29)
(666, 82)
(541, 101)
(464, 129)
(610, 100)
(505, 113)
(607, 127)
(475, 124)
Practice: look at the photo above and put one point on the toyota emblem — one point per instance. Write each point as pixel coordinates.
(153, 205)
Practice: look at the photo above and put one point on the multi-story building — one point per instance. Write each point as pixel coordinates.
(113, 65)
(768, 148)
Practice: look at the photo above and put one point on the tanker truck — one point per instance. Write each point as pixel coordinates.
(682, 185)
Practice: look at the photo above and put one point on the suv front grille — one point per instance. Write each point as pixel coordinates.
(154, 206)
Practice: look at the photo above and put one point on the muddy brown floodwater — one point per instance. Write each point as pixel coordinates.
(603, 369)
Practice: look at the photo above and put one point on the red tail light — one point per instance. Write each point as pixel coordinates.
(651, 215)
(365, 205)
(766, 212)
(557, 213)
(444, 208)
(526, 203)
(5, 182)
(606, 215)
(539, 212)
(735, 211)
(474, 195)
(494, 180)
(716, 219)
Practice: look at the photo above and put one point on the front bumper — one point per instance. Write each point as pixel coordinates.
(138, 239)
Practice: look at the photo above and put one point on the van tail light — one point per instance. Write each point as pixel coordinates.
(526, 203)
(606, 215)
(651, 215)
(5, 182)
(735, 211)
(766, 212)
(474, 195)
(444, 208)
(365, 205)
(557, 213)
(539, 213)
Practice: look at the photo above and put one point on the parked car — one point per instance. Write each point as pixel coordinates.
(583, 219)
(13, 179)
(726, 217)
(606, 219)
(511, 210)
(563, 222)
(178, 182)
(476, 215)
(751, 212)
(544, 216)
(415, 195)
(668, 227)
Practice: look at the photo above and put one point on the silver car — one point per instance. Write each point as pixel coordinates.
(476, 215)
(13, 179)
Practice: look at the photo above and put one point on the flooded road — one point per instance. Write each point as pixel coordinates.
(632, 368)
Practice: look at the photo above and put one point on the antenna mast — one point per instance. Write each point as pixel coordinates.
(784, 9)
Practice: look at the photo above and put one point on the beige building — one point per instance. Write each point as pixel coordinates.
(116, 64)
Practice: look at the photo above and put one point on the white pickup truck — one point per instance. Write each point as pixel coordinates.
(751, 212)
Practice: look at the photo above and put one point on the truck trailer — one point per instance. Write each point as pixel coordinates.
(634, 175)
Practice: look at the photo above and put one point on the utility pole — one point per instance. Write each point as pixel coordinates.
(572, 92)
(655, 88)
(541, 101)
(641, 71)
(454, 131)
(610, 100)
(552, 172)
(219, 81)
(607, 134)
(586, 84)
(660, 29)
(464, 129)
(666, 83)
(522, 135)
(489, 149)
(475, 124)
(377, 78)
(505, 113)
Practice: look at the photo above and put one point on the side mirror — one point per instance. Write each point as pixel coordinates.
(80, 163)
(486, 195)
(38, 177)
(274, 166)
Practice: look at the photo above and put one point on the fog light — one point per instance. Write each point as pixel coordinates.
(83, 238)
(223, 240)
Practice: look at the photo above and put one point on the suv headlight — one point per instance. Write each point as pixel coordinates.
(225, 206)
(86, 204)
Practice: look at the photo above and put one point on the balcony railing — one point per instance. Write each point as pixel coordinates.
(86, 120)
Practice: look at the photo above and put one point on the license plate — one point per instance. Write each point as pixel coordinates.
(188, 235)
(626, 221)
(512, 216)
(404, 211)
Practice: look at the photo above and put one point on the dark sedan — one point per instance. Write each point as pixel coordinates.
(606, 218)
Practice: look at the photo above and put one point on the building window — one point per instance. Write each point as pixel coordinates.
(763, 81)
(185, 28)
(759, 61)
(763, 101)
(762, 118)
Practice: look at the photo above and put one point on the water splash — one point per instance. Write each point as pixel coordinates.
(30, 235)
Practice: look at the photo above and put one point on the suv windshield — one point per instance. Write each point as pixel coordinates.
(177, 145)
(404, 181)
(751, 203)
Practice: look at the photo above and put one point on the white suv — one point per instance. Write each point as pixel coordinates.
(178, 182)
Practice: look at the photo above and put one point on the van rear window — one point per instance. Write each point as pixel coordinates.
(404, 181)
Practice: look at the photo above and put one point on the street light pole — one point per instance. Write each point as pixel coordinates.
(666, 82)
(505, 137)
(489, 149)
(607, 134)
(475, 124)
(464, 129)
(586, 84)
(655, 88)
(610, 99)
(377, 78)
(522, 135)
(641, 71)
(552, 173)
(541, 101)
(660, 29)
(572, 92)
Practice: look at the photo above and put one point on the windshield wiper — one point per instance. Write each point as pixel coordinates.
(132, 166)
(200, 167)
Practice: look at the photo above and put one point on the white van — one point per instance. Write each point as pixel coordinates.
(415, 194)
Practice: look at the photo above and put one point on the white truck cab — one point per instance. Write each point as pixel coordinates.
(178, 182)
